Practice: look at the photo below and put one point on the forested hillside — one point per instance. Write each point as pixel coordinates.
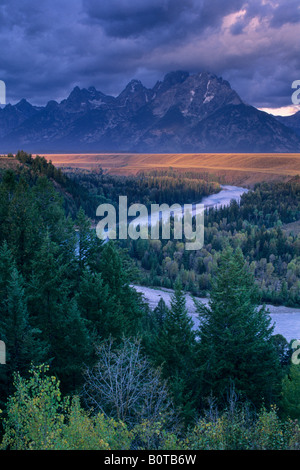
(90, 366)
(257, 226)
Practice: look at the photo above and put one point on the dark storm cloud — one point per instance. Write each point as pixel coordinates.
(49, 46)
(135, 18)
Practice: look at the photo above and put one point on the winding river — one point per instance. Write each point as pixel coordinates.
(285, 319)
(222, 198)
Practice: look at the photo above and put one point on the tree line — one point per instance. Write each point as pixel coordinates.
(152, 187)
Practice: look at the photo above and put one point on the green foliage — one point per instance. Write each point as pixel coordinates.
(38, 418)
(95, 304)
(39, 165)
(149, 435)
(85, 432)
(15, 328)
(92, 188)
(235, 344)
(291, 393)
(65, 296)
(61, 287)
(34, 413)
(176, 339)
(241, 431)
(174, 351)
(89, 245)
(284, 350)
(127, 312)
(256, 226)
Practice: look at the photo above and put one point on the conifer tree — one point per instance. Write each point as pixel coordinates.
(128, 309)
(17, 329)
(111, 269)
(49, 206)
(98, 307)
(177, 338)
(153, 324)
(7, 187)
(7, 263)
(89, 245)
(23, 345)
(235, 347)
(55, 312)
(291, 393)
(160, 312)
(72, 347)
(175, 351)
(21, 226)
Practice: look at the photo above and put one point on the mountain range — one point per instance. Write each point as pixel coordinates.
(182, 113)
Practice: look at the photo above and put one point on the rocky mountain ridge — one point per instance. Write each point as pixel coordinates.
(182, 113)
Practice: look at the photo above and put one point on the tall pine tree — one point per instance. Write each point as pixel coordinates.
(175, 351)
(235, 347)
(98, 307)
(23, 345)
(128, 309)
(55, 312)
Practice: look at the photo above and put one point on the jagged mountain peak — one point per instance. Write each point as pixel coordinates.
(82, 99)
(184, 112)
(81, 94)
(23, 102)
(195, 95)
(134, 96)
(175, 78)
(133, 86)
(169, 80)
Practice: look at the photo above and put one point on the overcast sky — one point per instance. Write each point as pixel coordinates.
(49, 46)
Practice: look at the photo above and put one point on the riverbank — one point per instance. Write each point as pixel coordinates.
(287, 319)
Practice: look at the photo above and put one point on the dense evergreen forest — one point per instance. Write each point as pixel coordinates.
(90, 366)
